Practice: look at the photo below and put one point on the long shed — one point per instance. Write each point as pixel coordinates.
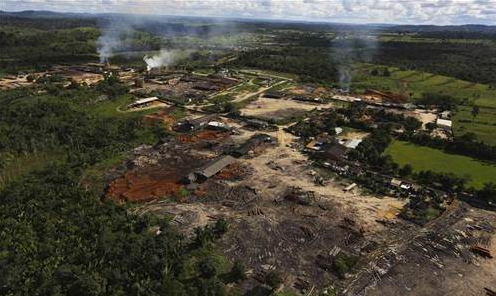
(216, 166)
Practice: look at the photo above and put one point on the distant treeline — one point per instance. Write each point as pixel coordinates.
(459, 35)
(311, 64)
(47, 23)
(466, 61)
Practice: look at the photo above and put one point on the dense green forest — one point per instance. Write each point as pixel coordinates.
(471, 62)
(30, 122)
(308, 63)
(57, 239)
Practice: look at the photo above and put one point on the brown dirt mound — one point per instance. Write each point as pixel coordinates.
(161, 117)
(233, 172)
(145, 186)
(205, 135)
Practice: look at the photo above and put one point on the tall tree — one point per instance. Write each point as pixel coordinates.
(475, 111)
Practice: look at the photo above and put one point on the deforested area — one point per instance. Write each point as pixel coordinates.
(156, 149)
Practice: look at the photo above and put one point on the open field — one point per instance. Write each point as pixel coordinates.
(414, 83)
(425, 158)
(483, 125)
(388, 37)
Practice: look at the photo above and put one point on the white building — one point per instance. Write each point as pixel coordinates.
(444, 123)
(143, 102)
(353, 143)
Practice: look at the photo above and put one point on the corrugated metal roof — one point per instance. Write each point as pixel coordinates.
(443, 122)
(352, 143)
(146, 100)
(216, 166)
(251, 143)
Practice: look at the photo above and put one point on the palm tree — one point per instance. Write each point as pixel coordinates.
(475, 111)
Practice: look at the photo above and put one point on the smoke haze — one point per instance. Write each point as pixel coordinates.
(164, 59)
(360, 46)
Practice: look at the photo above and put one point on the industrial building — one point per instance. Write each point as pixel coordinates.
(141, 103)
(274, 95)
(209, 170)
(330, 151)
(352, 144)
(195, 124)
(308, 99)
(444, 124)
(260, 125)
(250, 144)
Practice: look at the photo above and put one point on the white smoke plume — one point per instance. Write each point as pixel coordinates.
(106, 45)
(345, 76)
(118, 31)
(113, 36)
(164, 59)
(358, 45)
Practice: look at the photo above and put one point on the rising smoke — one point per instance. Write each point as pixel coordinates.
(118, 32)
(164, 59)
(357, 45)
(106, 45)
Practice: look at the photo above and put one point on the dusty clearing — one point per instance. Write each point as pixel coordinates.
(279, 108)
(281, 218)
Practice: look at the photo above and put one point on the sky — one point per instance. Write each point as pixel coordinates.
(437, 12)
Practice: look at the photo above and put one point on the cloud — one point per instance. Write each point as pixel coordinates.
(441, 12)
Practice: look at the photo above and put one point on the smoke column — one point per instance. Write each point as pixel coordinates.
(359, 45)
(164, 59)
(106, 44)
(113, 36)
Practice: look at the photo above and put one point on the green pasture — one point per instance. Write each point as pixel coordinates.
(483, 125)
(424, 158)
(414, 83)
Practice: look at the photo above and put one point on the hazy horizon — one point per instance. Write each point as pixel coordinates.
(401, 12)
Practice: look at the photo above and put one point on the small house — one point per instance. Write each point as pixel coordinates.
(445, 115)
(395, 182)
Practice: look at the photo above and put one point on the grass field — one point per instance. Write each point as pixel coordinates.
(114, 108)
(387, 37)
(483, 125)
(414, 83)
(425, 158)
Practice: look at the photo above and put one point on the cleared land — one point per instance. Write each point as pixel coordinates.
(425, 158)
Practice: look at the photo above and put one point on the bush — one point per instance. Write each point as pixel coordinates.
(207, 269)
(220, 227)
(273, 280)
(344, 265)
(238, 271)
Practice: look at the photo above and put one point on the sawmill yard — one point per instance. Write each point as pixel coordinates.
(281, 219)
(289, 215)
(247, 162)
